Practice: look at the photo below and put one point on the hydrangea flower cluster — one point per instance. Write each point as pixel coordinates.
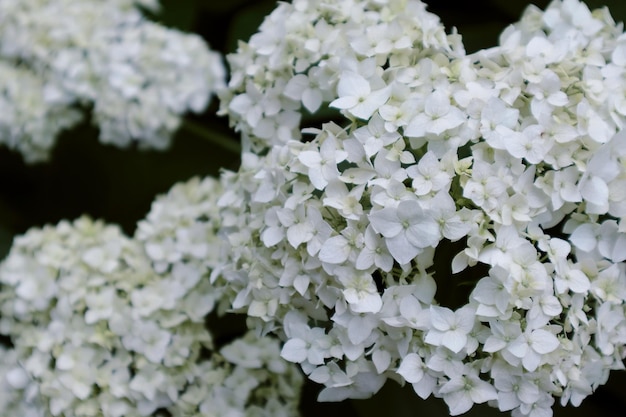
(19, 395)
(507, 164)
(93, 326)
(97, 331)
(137, 77)
(27, 123)
(179, 236)
(247, 378)
(301, 50)
(501, 172)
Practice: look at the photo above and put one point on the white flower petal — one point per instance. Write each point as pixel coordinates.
(295, 350)
(411, 368)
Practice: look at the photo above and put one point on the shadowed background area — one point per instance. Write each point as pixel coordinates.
(117, 185)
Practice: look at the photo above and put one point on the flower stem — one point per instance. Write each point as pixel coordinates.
(219, 139)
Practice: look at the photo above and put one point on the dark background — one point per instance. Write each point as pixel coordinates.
(85, 177)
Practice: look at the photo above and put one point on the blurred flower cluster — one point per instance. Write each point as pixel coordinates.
(100, 327)
(502, 172)
(136, 77)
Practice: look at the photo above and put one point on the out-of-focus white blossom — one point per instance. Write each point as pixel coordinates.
(246, 378)
(28, 123)
(102, 324)
(137, 77)
(179, 236)
(19, 392)
(93, 326)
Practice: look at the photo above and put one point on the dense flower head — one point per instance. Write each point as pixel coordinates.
(311, 53)
(93, 327)
(27, 123)
(456, 223)
(19, 393)
(505, 166)
(179, 236)
(137, 77)
(105, 325)
(246, 378)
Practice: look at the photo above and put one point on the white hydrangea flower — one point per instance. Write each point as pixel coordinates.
(506, 167)
(19, 392)
(106, 325)
(137, 77)
(247, 378)
(29, 122)
(179, 236)
(508, 163)
(325, 51)
(72, 303)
